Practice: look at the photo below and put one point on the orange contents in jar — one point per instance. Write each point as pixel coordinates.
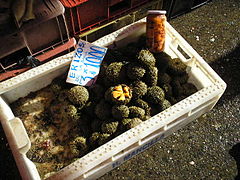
(156, 30)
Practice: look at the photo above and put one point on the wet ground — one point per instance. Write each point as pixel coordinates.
(208, 147)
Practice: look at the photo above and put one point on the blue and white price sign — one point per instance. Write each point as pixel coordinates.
(86, 63)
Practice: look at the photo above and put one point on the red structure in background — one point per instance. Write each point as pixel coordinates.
(80, 19)
(53, 30)
(45, 37)
(72, 3)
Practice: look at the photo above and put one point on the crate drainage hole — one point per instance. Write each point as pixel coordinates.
(183, 52)
(178, 120)
(152, 135)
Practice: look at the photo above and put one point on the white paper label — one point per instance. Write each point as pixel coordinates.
(86, 63)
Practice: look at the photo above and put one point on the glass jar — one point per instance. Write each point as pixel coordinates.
(155, 30)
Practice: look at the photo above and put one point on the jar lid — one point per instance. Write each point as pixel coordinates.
(156, 12)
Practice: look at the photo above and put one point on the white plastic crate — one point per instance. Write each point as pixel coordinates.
(134, 141)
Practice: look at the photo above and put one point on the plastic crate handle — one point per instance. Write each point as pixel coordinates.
(17, 135)
(14, 129)
(18, 140)
(21, 136)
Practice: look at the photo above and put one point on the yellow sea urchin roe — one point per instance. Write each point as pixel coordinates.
(121, 92)
(118, 88)
(116, 94)
(126, 91)
(122, 97)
